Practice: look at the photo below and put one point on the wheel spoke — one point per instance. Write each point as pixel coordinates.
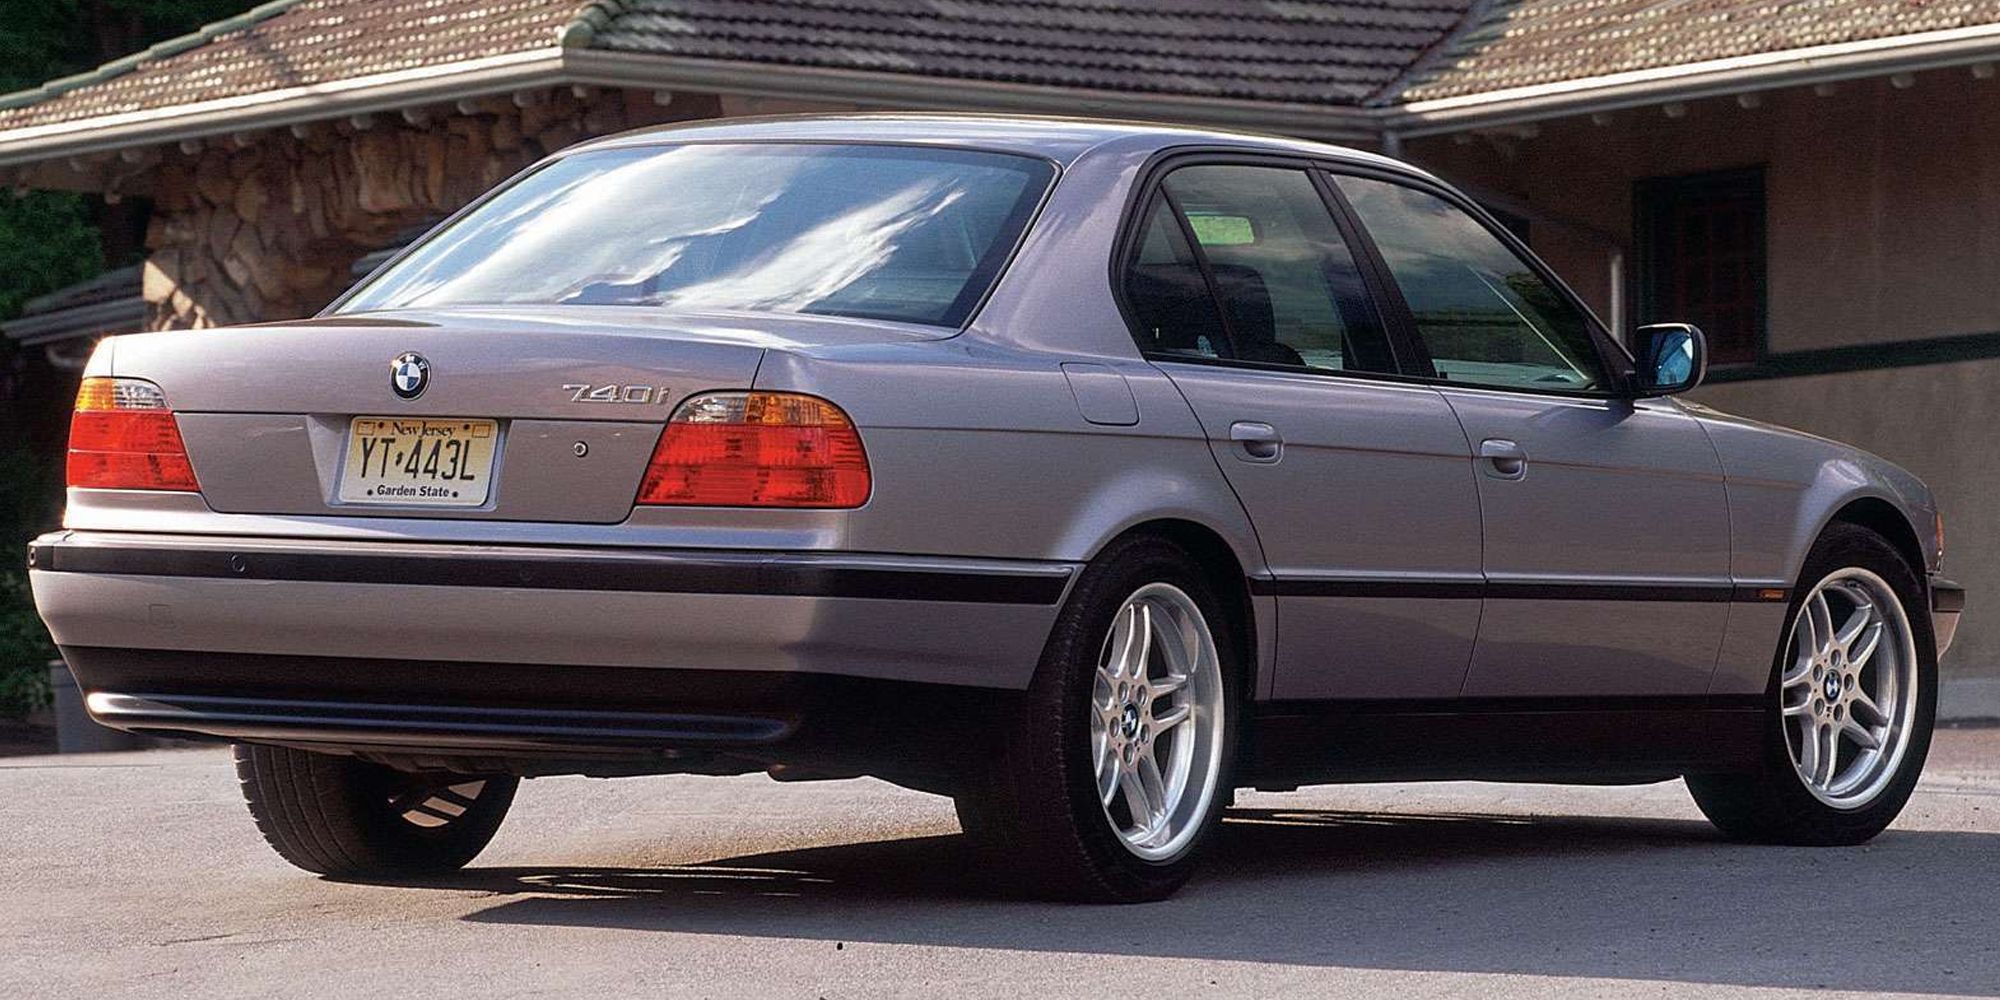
(1829, 755)
(1857, 623)
(1863, 703)
(1800, 710)
(1819, 618)
(1155, 788)
(1174, 653)
(1860, 734)
(1802, 667)
(1106, 690)
(1865, 646)
(1108, 773)
(1171, 717)
(1142, 646)
(1135, 799)
(1809, 749)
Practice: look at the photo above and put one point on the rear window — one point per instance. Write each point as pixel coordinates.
(883, 232)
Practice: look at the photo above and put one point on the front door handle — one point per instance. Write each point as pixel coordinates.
(1256, 442)
(1503, 459)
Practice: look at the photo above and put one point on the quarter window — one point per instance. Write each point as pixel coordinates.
(1169, 298)
(1484, 314)
(1246, 262)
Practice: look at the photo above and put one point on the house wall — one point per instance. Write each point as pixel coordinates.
(1883, 226)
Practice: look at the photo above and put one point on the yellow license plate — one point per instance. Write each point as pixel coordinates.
(419, 462)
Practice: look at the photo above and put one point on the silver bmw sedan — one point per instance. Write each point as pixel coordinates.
(1083, 472)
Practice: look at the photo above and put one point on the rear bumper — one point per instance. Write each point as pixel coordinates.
(519, 649)
(1947, 604)
(533, 719)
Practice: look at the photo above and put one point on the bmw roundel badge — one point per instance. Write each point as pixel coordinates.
(410, 375)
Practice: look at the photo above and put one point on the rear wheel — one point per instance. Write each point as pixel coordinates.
(348, 818)
(1854, 700)
(1117, 769)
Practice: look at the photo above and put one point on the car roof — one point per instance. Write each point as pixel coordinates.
(1063, 140)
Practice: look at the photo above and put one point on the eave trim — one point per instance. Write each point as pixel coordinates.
(1690, 81)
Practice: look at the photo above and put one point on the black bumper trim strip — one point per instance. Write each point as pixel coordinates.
(1947, 597)
(644, 572)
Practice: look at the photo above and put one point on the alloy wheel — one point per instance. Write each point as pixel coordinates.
(1848, 694)
(1156, 722)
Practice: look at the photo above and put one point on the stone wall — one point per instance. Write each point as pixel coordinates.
(267, 225)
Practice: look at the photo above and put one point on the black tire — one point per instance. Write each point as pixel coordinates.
(1773, 805)
(1033, 818)
(347, 818)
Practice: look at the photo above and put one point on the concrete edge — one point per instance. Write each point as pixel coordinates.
(1968, 699)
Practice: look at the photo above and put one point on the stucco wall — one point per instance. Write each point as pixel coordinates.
(1884, 204)
(1883, 225)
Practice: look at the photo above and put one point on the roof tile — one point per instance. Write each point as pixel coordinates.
(1271, 50)
(1326, 52)
(313, 41)
(1526, 42)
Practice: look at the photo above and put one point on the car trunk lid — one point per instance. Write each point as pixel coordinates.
(572, 399)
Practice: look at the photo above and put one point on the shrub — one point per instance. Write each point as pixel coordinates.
(25, 649)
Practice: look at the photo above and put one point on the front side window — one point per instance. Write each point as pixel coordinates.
(1246, 262)
(886, 232)
(1484, 314)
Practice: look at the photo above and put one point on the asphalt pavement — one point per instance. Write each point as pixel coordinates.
(140, 875)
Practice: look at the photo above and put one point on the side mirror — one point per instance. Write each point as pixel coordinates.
(1673, 358)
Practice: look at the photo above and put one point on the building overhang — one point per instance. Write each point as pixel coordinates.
(1823, 64)
(559, 66)
(44, 147)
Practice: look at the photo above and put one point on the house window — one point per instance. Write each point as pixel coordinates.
(1701, 258)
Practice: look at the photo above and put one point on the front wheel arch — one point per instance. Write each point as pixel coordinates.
(1884, 519)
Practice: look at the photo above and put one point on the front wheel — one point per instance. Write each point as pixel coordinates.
(348, 818)
(1855, 698)
(1118, 766)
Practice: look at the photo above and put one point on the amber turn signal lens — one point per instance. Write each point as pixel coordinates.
(758, 449)
(123, 437)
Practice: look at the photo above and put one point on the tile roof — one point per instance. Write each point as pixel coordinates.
(1323, 53)
(1318, 52)
(1525, 42)
(304, 42)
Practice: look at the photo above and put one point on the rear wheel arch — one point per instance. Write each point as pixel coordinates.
(1218, 563)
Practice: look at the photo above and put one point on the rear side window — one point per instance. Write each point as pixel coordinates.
(1484, 314)
(1245, 262)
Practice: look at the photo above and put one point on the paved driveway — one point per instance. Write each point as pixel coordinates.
(140, 875)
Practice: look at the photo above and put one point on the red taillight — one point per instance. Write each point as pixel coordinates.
(123, 437)
(758, 449)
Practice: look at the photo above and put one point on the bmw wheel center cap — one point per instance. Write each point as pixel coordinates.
(410, 375)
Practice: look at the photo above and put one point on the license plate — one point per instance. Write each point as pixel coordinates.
(419, 462)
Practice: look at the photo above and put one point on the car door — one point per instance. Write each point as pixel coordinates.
(1242, 287)
(1606, 521)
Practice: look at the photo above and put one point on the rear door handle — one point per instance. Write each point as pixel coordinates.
(1256, 442)
(1503, 459)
